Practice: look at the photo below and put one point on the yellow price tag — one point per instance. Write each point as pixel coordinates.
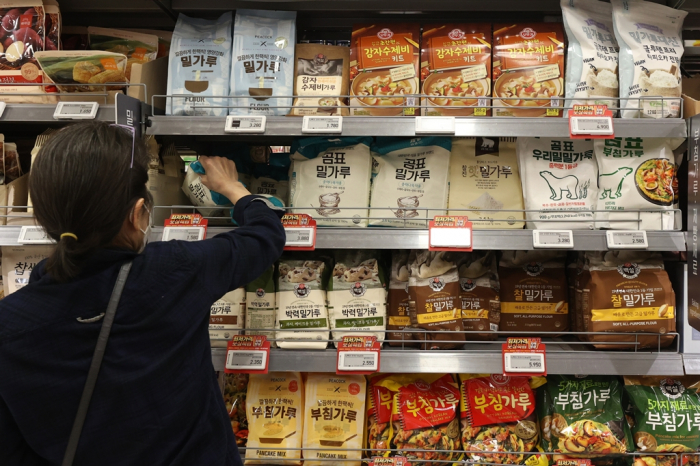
(479, 112)
(552, 112)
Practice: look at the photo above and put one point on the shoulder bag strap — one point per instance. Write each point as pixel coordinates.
(95, 366)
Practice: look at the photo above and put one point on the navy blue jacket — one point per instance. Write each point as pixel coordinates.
(157, 401)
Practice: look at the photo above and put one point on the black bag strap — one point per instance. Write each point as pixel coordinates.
(95, 366)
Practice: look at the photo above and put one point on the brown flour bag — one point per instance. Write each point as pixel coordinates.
(479, 294)
(534, 292)
(628, 291)
(434, 302)
(320, 71)
(397, 304)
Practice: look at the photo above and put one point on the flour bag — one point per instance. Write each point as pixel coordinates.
(261, 303)
(560, 182)
(226, 317)
(591, 61)
(410, 176)
(199, 66)
(263, 62)
(637, 174)
(651, 48)
(272, 178)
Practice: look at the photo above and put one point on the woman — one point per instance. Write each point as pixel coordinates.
(157, 401)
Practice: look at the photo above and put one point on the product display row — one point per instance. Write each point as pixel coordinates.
(287, 417)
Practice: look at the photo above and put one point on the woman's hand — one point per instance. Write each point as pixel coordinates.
(222, 177)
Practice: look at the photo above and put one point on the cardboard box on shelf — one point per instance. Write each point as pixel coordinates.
(154, 75)
(13, 194)
(691, 96)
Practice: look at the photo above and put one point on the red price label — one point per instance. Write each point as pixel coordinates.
(591, 122)
(450, 233)
(301, 232)
(358, 355)
(247, 354)
(524, 356)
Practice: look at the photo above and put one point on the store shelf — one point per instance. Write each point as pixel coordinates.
(405, 126)
(478, 362)
(692, 364)
(37, 113)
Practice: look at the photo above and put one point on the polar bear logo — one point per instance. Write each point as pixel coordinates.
(487, 144)
(611, 183)
(567, 183)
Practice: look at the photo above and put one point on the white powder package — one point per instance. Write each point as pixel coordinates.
(330, 180)
(227, 317)
(485, 179)
(272, 178)
(651, 48)
(560, 182)
(409, 176)
(591, 61)
(261, 303)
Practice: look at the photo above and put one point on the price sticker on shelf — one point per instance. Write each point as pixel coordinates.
(450, 233)
(76, 111)
(301, 232)
(393, 461)
(524, 356)
(627, 239)
(358, 354)
(185, 227)
(591, 122)
(33, 235)
(435, 125)
(245, 124)
(248, 354)
(322, 124)
(561, 239)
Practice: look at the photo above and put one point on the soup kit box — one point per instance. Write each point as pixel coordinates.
(456, 69)
(384, 69)
(528, 70)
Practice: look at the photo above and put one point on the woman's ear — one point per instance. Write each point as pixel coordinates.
(138, 214)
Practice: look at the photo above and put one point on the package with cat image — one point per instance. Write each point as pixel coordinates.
(356, 295)
(321, 77)
(560, 183)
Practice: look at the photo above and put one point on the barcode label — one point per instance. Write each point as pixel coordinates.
(358, 361)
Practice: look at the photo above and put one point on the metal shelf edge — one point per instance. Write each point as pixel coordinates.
(692, 364)
(43, 113)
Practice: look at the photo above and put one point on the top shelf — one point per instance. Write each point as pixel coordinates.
(43, 114)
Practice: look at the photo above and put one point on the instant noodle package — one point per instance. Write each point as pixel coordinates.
(380, 401)
(235, 392)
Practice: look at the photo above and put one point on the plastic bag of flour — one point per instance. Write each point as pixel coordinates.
(591, 61)
(272, 179)
(200, 195)
(261, 302)
(227, 317)
(637, 174)
(560, 182)
(200, 65)
(651, 48)
(263, 62)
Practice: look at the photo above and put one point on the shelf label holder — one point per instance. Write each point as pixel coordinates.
(30, 234)
(450, 233)
(301, 232)
(627, 239)
(524, 357)
(358, 354)
(76, 111)
(547, 239)
(435, 125)
(322, 124)
(591, 122)
(247, 354)
(185, 227)
(245, 124)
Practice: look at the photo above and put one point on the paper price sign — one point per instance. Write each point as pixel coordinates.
(591, 122)
(33, 235)
(249, 354)
(450, 233)
(560, 239)
(245, 124)
(358, 355)
(394, 461)
(301, 232)
(524, 356)
(627, 239)
(322, 124)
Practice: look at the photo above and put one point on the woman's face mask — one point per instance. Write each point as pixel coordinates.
(147, 231)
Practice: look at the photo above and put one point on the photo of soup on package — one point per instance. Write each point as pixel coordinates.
(384, 69)
(456, 69)
(528, 70)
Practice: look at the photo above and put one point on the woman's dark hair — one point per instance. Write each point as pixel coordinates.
(83, 182)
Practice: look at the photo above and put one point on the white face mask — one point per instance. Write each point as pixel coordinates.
(147, 231)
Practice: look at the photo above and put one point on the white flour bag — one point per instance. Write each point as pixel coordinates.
(226, 317)
(560, 182)
(651, 48)
(330, 180)
(410, 175)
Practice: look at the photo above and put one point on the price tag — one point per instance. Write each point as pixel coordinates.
(627, 239)
(76, 111)
(591, 121)
(524, 356)
(450, 233)
(2, 108)
(393, 461)
(574, 462)
(435, 125)
(563, 239)
(183, 233)
(247, 354)
(322, 124)
(358, 354)
(301, 232)
(33, 235)
(245, 124)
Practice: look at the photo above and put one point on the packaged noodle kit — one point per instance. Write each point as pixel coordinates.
(479, 294)
(398, 301)
(321, 77)
(651, 48)
(235, 388)
(227, 317)
(560, 183)
(263, 62)
(534, 292)
(301, 304)
(334, 419)
(18, 263)
(591, 61)
(637, 174)
(456, 69)
(384, 69)
(528, 70)
(356, 295)
(199, 66)
(138, 47)
(498, 418)
(275, 412)
(380, 401)
(666, 418)
(330, 179)
(485, 179)
(261, 306)
(410, 174)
